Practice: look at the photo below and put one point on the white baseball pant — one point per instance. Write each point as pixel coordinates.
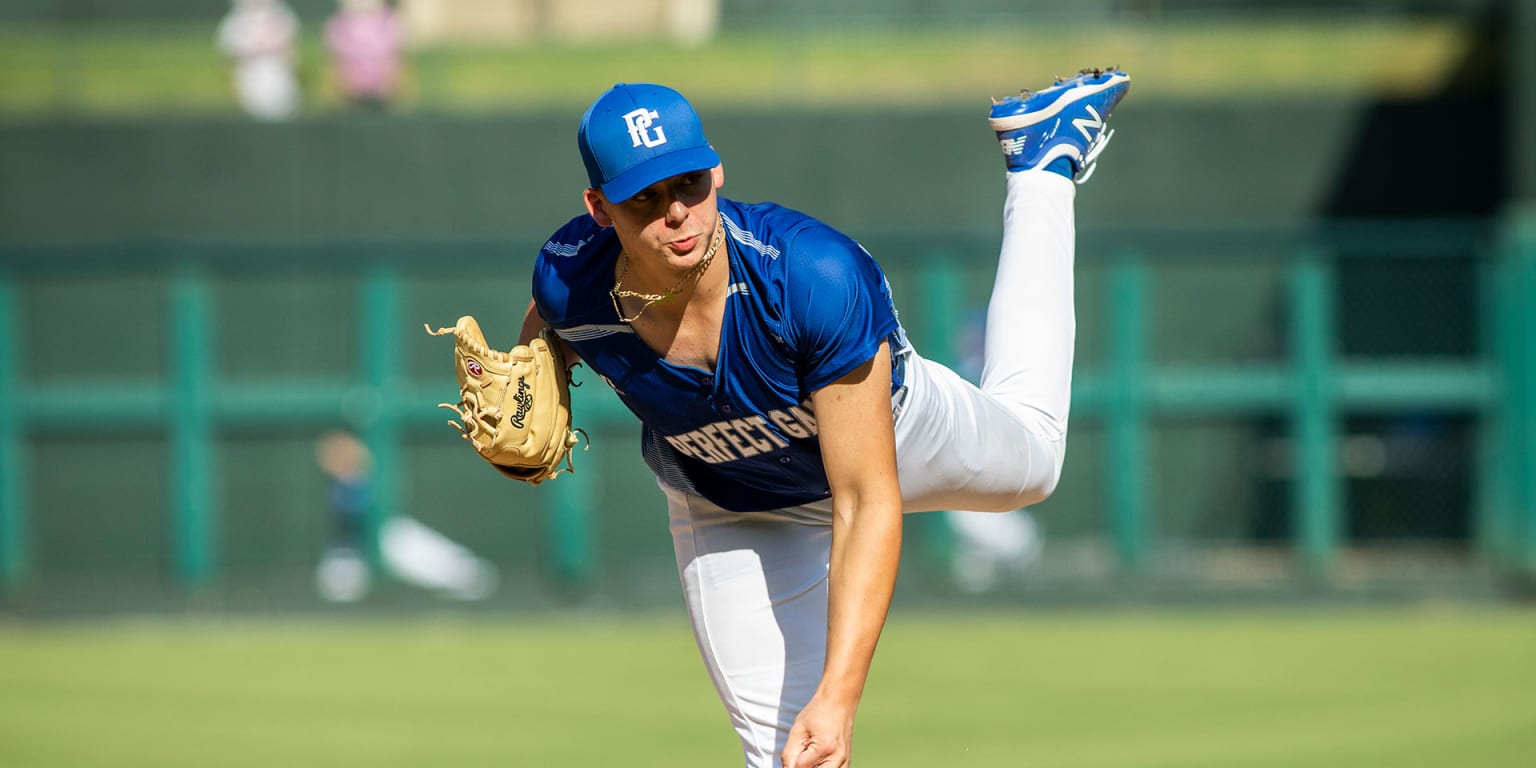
(756, 583)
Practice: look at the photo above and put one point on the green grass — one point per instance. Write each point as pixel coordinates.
(130, 69)
(1358, 688)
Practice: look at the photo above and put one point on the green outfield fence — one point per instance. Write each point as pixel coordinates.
(184, 391)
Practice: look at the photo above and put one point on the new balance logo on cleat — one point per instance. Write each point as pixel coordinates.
(1028, 125)
(1084, 123)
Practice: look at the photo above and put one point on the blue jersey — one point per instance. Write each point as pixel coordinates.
(806, 305)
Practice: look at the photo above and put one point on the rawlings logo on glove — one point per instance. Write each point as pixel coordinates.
(532, 440)
(524, 401)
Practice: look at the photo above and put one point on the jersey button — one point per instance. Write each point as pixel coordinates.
(726, 409)
(783, 459)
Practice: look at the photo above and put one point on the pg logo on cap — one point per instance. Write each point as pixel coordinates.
(639, 124)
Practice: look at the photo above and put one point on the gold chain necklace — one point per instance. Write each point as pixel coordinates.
(619, 292)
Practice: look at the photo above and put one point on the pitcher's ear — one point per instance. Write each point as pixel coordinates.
(596, 206)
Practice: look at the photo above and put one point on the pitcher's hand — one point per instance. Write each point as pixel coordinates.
(822, 737)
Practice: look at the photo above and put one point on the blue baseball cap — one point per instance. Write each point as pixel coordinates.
(637, 134)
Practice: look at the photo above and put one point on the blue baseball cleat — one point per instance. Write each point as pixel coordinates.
(1063, 122)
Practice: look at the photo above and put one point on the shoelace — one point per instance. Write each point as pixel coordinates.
(1091, 157)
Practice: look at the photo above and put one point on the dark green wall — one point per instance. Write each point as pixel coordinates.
(445, 177)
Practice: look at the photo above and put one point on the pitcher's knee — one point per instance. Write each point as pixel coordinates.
(1036, 493)
(1041, 477)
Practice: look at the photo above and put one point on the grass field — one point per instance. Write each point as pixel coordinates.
(1399, 688)
(127, 69)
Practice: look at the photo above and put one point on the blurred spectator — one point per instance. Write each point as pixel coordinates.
(260, 37)
(343, 575)
(410, 552)
(991, 549)
(365, 39)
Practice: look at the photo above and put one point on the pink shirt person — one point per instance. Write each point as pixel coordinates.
(365, 39)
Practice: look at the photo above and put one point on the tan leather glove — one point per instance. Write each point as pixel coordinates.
(514, 407)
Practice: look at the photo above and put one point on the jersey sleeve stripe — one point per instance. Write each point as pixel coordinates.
(589, 332)
(748, 239)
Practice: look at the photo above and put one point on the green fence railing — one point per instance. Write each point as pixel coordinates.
(1309, 387)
